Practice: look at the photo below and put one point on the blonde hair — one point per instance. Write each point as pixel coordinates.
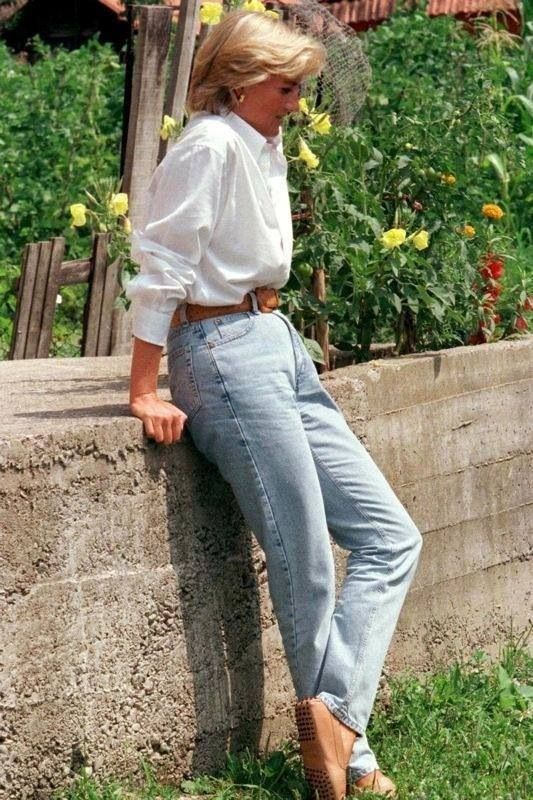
(244, 49)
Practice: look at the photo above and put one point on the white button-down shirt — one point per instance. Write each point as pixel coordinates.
(218, 223)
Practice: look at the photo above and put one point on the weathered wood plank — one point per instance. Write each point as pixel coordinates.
(149, 78)
(37, 302)
(75, 271)
(110, 292)
(50, 297)
(321, 325)
(30, 260)
(95, 296)
(146, 112)
(180, 68)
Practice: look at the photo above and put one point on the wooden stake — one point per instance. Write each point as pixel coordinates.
(146, 114)
(180, 68)
(321, 325)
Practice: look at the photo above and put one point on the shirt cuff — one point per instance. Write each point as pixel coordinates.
(150, 325)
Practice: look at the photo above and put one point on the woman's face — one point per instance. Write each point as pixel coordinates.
(265, 104)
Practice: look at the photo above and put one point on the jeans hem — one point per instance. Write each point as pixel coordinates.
(341, 714)
(354, 774)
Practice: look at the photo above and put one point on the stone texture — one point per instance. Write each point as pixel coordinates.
(135, 621)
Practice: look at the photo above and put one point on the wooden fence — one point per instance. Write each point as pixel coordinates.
(43, 274)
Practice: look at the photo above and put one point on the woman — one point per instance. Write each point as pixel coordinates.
(214, 251)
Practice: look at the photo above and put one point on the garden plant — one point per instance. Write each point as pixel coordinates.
(419, 213)
(60, 132)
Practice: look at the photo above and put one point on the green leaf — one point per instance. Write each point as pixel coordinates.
(499, 167)
(526, 691)
(526, 102)
(507, 699)
(198, 786)
(513, 76)
(314, 350)
(504, 681)
(397, 303)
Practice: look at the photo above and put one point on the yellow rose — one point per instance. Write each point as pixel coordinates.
(469, 231)
(394, 237)
(168, 128)
(127, 226)
(492, 211)
(79, 212)
(210, 13)
(303, 106)
(307, 156)
(254, 5)
(273, 14)
(320, 123)
(421, 240)
(118, 204)
(448, 179)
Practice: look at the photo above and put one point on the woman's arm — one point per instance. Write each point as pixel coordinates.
(162, 421)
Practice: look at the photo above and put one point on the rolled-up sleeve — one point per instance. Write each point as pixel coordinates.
(183, 202)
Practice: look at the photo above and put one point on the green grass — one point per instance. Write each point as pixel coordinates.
(462, 734)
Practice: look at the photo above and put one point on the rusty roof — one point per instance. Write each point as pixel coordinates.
(6, 12)
(353, 12)
(452, 7)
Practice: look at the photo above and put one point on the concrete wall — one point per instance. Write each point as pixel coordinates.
(134, 612)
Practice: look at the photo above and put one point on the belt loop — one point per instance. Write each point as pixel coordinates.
(182, 314)
(255, 307)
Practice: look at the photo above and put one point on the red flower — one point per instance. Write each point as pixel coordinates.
(493, 268)
(528, 304)
(491, 295)
(521, 324)
(477, 338)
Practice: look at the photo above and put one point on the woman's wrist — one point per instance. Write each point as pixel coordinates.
(144, 370)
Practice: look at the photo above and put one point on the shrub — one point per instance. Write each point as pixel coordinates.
(442, 134)
(60, 131)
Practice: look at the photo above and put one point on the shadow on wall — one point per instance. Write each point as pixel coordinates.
(217, 583)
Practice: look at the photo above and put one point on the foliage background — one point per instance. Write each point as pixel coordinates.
(60, 131)
(442, 102)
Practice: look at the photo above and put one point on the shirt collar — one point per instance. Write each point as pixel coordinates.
(254, 140)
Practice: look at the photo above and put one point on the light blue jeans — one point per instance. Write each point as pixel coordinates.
(257, 409)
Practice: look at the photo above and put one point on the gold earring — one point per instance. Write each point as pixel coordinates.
(240, 98)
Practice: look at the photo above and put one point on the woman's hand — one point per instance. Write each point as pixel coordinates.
(162, 421)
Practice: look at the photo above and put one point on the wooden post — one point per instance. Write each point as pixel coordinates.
(30, 261)
(321, 325)
(50, 297)
(320, 329)
(91, 326)
(146, 113)
(180, 68)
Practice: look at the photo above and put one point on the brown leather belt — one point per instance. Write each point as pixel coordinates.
(267, 301)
